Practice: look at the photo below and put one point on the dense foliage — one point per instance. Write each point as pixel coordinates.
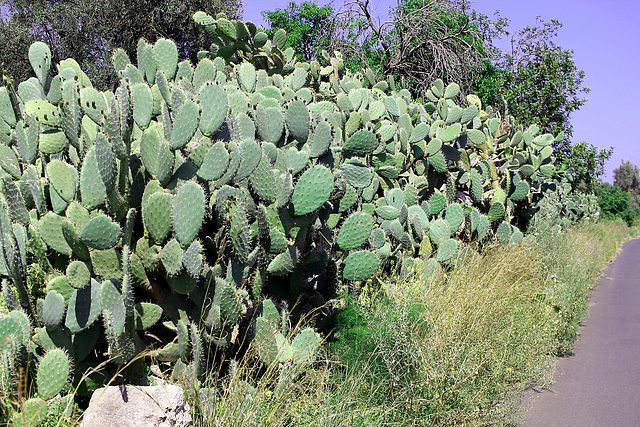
(586, 164)
(308, 26)
(622, 199)
(615, 203)
(185, 215)
(89, 31)
(541, 83)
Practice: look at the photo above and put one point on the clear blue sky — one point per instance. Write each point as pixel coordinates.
(604, 37)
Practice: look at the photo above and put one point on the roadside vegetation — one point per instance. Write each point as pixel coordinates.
(294, 236)
(457, 349)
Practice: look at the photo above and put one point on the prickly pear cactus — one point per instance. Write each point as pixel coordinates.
(204, 187)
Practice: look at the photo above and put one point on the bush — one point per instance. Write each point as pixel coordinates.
(615, 204)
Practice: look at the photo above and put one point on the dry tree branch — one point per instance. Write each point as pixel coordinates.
(436, 39)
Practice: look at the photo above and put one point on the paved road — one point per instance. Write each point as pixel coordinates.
(600, 384)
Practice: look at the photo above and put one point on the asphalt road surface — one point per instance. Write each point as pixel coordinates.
(599, 385)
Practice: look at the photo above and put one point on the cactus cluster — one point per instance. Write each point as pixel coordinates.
(182, 198)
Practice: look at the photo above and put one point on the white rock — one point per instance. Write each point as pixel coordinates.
(138, 406)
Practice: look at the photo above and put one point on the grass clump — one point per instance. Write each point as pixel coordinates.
(572, 263)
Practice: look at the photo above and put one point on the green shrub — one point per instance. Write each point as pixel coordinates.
(615, 204)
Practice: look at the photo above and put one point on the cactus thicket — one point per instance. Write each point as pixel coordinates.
(180, 200)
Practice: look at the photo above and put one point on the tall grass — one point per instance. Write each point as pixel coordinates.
(456, 349)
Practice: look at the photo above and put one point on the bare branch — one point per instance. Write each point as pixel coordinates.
(436, 39)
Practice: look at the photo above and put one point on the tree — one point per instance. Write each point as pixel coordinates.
(627, 177)
(423, 41)
(537, 81)
(615, 203)
(541, 83)
(586, 165)
(89, 31)
(309, 27)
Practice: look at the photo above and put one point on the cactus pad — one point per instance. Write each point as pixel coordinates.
(213, 102)
(439, 231)
(111, 301)
(357, 174)
(437, 202)
(360, 265)
(378, 238)
(165, 54)
(438, 162)
(312, 190)
(496, 212)
(452, 90)
(454, 216)
(45, 112)
(185, 124)
(60, 284)
(361, 142)
(305, 346)
(504, 232)
(271, 344)
(171, 257)
(215, 162)
(50, 228)
(84, 307)
(297, 160)
(447, 250)
(192, 259)
(321, 139)
(7, 112)
(283, 263)
(387, 212)
(101, 233)
(297, 119)
(270, 123)
(520, 191)
(142, 100)
(146, 315)
(53, 373)
(93, 104)
(476, 136)
(188, 212)
(62, 179)
(262, 180)
(9, 327)
(156, 215)
(235, 159)
(354, 231)
(181, 283)
(52, 141)
(250, 158)
(92, 189)
(78, 274)
(53, 310)
(34, 413)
